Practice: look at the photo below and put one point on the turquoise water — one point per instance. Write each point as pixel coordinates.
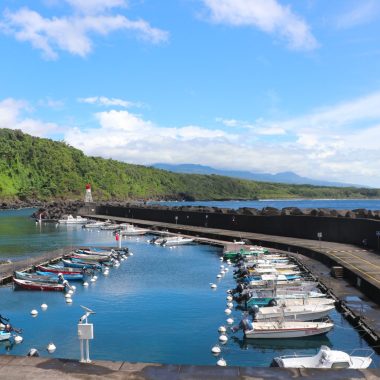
(338, 204)
(156, 307)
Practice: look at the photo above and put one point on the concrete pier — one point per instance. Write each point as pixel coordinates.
(13, 367)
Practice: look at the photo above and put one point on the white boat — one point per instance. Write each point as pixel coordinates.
(69, 219)
(325, 358)
(293, 301)
(176, 240)
(307, 312)
(96, 224)
(5, 335)
(131, 230)
(286, 329)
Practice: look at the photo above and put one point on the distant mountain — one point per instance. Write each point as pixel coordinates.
(283, 177)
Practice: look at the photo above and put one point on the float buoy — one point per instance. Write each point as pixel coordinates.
(44, 306)
(222, 329)
(230, 305)
(228, 311)
(69, 300)
(216, 350)
(34, 313)
(221, 363)
(51, 348)
(18, 339)
(230, 321)
(85, 283)
(223, 338)
(213, 286)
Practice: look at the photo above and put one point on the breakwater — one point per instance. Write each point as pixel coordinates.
(342, 226)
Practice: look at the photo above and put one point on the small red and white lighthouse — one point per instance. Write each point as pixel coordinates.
(88, 195)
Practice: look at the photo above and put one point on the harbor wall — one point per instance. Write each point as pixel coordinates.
(333, 229)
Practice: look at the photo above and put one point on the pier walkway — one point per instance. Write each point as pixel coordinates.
(14, 367)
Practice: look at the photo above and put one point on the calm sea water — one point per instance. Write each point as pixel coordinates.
(339, 204)
(156, 307)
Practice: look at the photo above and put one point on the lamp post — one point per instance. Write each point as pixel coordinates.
(319, 234)
(378, 237)
(176, 219)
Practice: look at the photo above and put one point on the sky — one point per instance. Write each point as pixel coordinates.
(257, 85)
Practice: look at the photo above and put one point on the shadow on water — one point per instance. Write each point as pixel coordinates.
(282, 344)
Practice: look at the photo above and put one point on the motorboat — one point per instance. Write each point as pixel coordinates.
(59, 269)
(325, 358)
(69, 219)
(292, 313)
(284, 329)
(289, 298)
(96, 224)
(131, 230)
(176, 240)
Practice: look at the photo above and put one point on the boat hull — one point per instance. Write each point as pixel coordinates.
(29, 285)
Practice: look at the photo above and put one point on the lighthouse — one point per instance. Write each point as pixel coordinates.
(88, 195)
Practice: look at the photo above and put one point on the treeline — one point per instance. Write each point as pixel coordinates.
(33, 168)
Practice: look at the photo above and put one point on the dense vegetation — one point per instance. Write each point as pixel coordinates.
(32, 168)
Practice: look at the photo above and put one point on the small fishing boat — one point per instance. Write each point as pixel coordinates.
(292, 313)
(80, 264)
(33, 285)
(59, 269)
(176, 240)
(69, 219)
(325, 358)
(290, 299)
(5, 335)
(49, 278)
(87, 257)
(66, 276)
(283, 329)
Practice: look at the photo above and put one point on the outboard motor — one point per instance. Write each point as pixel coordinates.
(253, 311)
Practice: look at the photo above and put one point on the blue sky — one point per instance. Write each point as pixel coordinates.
(259, 85)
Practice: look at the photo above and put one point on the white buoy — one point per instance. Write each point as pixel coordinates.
(222, 266)
(230, 321)
(70, 292)
(96, 277)
(69, 300)
(18, 339)
(230, 305)
(229, 298)
(34, 313)
(221, 258)
(228, 311)
(213, 286)
(221, 363)
(51, 348)
(130, 253)
(223, 338)
(226, 270)
(216, 350)
(106, 272)
(219, 276)
(228, 291)
(74, 288)
(92, 279)
(85, 283)
(44, 306)
(222, 329)
(67, 295)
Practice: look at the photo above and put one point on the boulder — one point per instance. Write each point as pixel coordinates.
(270, 211)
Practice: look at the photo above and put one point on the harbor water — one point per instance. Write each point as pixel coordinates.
(156, 307)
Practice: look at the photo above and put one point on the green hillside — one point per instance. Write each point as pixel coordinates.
(33, 168)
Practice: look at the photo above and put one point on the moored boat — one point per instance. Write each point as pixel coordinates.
(69, 219)
(131, 230)
(33, 285)
(325, 358)
(176, 240)
(59, 269)
(284, 329)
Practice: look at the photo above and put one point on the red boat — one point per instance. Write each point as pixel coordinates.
(63, 270)
(31, 285)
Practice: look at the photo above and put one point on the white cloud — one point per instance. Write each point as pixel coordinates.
(267, 15)
(72, 33)
(364, 12)
(95, 6)
(108, 102)
(12, 116)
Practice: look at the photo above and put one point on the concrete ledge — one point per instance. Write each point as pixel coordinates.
(16, 367)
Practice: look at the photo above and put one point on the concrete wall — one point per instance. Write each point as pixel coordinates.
(335, 229)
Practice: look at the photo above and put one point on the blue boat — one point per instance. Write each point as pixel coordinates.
(80, 264)
(69, 277)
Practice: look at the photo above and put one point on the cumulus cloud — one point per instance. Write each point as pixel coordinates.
(13, 116)
(74, 33)
(267, 15)
(108, 102)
